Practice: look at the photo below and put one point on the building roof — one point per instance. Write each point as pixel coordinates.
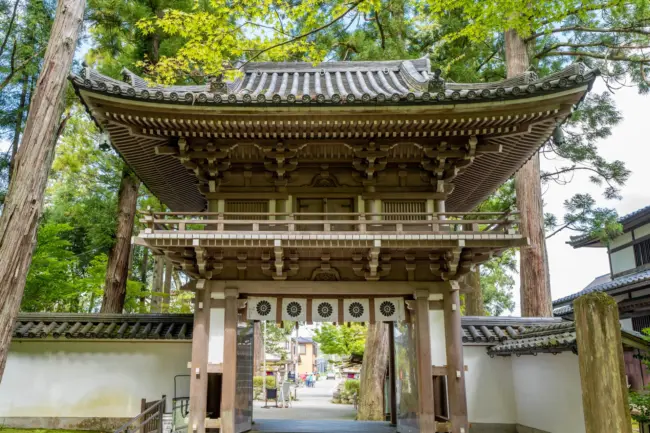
(492, 330)
(332, 103)
(67, 326)
(305, 340)
(628, 222)
(502, 335)
(386, 82)
(601, 284)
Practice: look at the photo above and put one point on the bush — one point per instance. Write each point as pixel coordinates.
(258, 381)
(352, 386)
(640, 406)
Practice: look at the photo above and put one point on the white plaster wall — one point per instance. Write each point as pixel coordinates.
(642, 231)
(623, 239)
(215, 344)
(548, 393)
(89, 379)
(627, 324)
(438, 346)
(490, 388)
(623, 260)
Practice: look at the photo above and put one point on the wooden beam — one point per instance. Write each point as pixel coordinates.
(199, 363)
(328, 288)
(602, 369)
(439, 370)
(455, 370)
(217, 303)
(215, 368)
(426, 415)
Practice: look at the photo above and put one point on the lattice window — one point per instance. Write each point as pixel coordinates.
(246, 206)
(405, 209)
(642, 252)
(640, 323)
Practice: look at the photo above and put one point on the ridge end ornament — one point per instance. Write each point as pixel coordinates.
(436, 82)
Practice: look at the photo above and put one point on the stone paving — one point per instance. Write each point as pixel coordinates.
(313, 413)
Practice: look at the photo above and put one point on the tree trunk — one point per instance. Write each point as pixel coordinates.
(24, 203)
(373, 373)
(534, 284)
(143, 278)
(474, 300)
(167, 286)
(258, 348)
(19, 123)
(157, 285)
(117, 272)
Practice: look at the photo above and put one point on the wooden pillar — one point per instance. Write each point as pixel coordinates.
(423, 350)
(602, 369)
(440, 208)
(455, 362)
(392, 373)
(229, 383)
(199, 363)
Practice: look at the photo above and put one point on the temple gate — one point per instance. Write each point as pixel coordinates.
(346, 184)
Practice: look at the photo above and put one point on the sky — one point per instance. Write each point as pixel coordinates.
(572, 269)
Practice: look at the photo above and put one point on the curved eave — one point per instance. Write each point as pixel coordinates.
(113, 112)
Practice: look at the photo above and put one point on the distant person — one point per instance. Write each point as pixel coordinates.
(310, 380)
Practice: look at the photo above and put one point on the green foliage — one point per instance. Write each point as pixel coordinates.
(352, 385)
(584, 217)
(341, 340)
(497, 283)
(258, 381)
(640, 406)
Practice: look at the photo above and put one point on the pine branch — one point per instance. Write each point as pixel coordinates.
(19, 68)
(630, 30)
(304, 35)
(557, 231)
(585, 9)
(616, 58)
(9, 28)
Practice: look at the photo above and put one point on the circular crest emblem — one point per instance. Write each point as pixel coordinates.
(387, 309)
(325, 309)
(356, 309)
(263, 308)
(294, 309)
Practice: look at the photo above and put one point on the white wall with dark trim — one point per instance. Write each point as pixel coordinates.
(89, 379)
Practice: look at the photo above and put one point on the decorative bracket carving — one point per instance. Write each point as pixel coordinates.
(208, 265)
(326, 272)
(369, 159)
(208, 161)
(444, 161)
(275, 268)
(451, 259)
(281, 160)
(375, 265)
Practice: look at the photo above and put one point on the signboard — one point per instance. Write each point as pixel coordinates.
(291, 376)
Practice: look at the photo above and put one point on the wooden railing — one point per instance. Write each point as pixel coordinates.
(149, 420)
(466, 223)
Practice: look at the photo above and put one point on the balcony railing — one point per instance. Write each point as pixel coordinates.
(380, 223)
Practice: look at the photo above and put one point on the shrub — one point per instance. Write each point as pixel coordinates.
(352, 386)
(258, 381)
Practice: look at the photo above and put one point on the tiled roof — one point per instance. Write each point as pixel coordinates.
(621, 281)
(557, 337)
(577, 241)
(492, 330)
(103, 326)
(364, 82)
